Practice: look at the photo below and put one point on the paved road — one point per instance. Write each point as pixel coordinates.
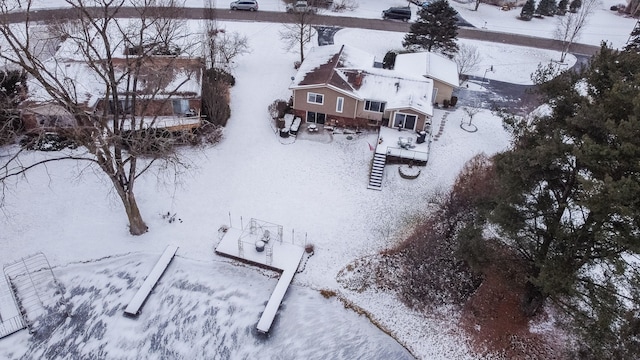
(282, 17)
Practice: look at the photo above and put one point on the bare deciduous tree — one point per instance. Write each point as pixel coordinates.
(136, 68)
(222, 46)
(299, 31)
(468, 58)
(226, 46)
(345, 5)
(570, 26)
(471, 111)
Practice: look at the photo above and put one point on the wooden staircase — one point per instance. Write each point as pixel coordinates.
(377, 170)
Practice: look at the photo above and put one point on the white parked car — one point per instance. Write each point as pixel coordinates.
(300, 6)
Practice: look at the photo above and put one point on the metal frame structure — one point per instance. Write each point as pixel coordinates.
(36, 291)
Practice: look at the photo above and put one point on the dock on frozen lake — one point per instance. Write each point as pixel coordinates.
(261, 244)
(133, 309)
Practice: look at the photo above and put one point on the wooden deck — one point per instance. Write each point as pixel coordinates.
(278, 255)
(135, 305)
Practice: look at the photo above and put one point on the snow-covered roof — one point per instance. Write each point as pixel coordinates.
(431, 65)
(397, 91)
(350, 70)
(178, 77)
(77, 67)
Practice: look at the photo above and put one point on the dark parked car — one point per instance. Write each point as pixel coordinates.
(397, 13)
(251, 5)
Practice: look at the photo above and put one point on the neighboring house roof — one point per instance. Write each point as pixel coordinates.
(49, 116)
(350, 71)
(431, 65)
(176, 77)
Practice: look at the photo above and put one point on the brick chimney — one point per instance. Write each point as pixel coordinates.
(357, 81)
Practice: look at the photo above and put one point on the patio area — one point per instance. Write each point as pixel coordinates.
(404, 144)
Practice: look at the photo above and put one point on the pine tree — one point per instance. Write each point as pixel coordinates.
(546, 7)
(633, 45)
(562, 7)
(527, 10)
(435, 30)
(567, 200)
(574, 5)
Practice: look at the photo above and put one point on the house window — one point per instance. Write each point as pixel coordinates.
(123, 106)
(405, 121)
(339, 104)
(314, 117)
(375, 106)
(315, 98)
(180, 106)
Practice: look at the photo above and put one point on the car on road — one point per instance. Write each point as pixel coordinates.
(301, 6)
(251, 5)
(397, 13)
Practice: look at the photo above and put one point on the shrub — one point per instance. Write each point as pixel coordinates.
(215, 96)
(209, 133)
(309, 248)
(389, 60)
(345, 5)
(47, 142)
(278, 108)
(328, 293)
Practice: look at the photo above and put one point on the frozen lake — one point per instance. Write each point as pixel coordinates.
(198, 310)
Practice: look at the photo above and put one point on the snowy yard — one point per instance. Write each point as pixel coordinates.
(206, 306)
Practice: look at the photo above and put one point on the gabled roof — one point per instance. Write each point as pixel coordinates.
(350, 71)
(320, 65)
(431, 65)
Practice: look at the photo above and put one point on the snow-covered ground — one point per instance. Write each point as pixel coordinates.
(315, 187)
(602, 25)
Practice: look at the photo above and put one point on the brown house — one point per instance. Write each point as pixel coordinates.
(339, 85)
(168, 95)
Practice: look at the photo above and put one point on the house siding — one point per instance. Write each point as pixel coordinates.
(156, 107)
(420, 122)
(328, 107)
(369, 117)
(445, 91)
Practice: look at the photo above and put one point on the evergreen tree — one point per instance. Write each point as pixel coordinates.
(574, 5)
(527, 10)
(562, 7)
(12, 90)
(546, 7)
(568, 200)
(435, 30)
(633, 45)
